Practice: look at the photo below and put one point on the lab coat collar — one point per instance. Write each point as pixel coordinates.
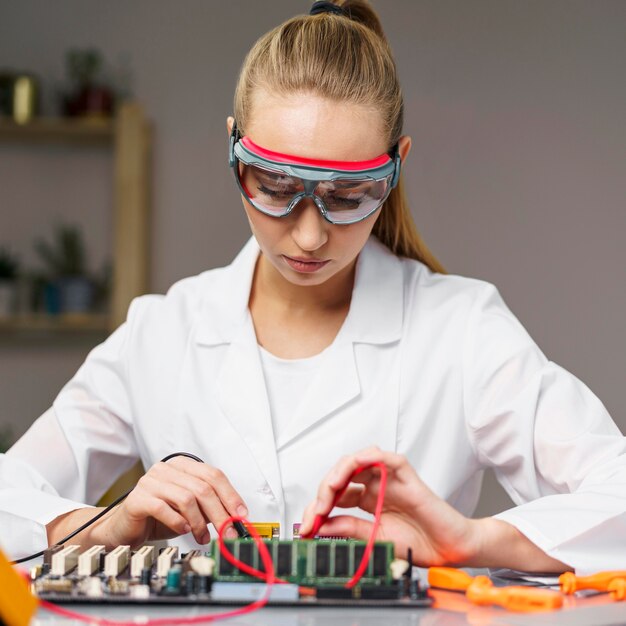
(376, 309)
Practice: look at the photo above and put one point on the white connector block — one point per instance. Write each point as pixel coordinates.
(116, 561)
(89, 561)
(164, 562)
(144, 557)
(65, 560)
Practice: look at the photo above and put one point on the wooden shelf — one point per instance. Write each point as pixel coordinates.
(128, 137)
(62, 130)
(76, 322)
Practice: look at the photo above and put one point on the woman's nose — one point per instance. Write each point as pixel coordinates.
(310, 229)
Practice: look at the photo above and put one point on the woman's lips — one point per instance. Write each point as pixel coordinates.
(303, 265)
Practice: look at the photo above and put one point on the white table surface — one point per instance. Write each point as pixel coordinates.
(588, 612)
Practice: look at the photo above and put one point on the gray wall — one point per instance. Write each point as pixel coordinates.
(517, 175)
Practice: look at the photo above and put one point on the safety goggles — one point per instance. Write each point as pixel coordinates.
(344, 192)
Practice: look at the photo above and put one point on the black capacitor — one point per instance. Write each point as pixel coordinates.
(415, 591)
(203, 584)
(146, 576)
(412, 588)
(190, 583)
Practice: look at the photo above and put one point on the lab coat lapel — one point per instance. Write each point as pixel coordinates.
(375, 317)
(243, 398)
(241, 391)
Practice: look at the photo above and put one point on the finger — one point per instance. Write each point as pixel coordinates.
(231, 500)
(169, 475)
(336, 479)
(353, 496)
(210, 505)
(369, 477)
(397, 464)
(307, 518)
(392, 460)
(166, 515)
(346, 526)
(213, 508)
(182, 500)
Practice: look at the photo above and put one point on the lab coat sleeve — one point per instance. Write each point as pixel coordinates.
(73, 453)
(551, 442)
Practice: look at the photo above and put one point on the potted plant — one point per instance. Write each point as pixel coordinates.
(69, 288)
(9, 267)
(90, 96)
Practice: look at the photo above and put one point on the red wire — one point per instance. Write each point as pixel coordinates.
(320, 520)
(268, 576)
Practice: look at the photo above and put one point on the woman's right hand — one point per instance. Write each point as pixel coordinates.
(170, 499)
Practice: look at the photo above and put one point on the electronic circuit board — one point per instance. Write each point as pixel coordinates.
(312, 573)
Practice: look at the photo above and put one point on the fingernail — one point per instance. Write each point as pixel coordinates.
(206, 538)
(231, 533)
(319, 507)
(242, 511)
(187, 528)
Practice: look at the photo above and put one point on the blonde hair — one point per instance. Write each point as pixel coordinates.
(342, 58)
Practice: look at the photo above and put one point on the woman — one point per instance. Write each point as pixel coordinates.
(334, 329)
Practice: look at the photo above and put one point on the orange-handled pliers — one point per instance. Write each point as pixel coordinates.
(480, 590)
(614, 582)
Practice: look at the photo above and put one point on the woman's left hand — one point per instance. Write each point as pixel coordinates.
(412, 516)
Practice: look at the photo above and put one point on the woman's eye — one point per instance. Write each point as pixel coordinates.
(275, 193)
(346, 202)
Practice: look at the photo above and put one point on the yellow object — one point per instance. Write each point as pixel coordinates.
(24, 99)
(480, 590)
(17, 604)
(601, 581)
(268, 530)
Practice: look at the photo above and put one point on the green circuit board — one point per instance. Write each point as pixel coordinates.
(309, 573)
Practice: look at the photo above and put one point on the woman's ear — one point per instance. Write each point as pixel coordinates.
(404, 147)
(230, 120)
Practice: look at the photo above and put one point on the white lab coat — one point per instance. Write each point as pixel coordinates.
(434, 367)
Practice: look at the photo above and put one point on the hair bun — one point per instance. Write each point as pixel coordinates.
(362, 12)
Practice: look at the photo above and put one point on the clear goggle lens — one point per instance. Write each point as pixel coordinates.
(276, 193)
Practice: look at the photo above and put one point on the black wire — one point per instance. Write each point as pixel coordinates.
(99, 515)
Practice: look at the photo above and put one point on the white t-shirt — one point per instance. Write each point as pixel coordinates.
(287, 381)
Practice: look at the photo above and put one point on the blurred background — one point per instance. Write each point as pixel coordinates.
(114, 180)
